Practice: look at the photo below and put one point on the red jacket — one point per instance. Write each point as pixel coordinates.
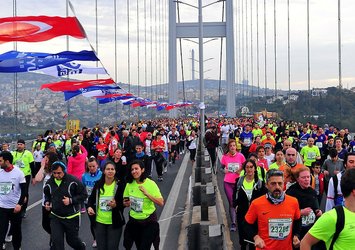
(321, 183)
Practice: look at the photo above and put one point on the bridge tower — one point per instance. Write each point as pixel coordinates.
(210, 30)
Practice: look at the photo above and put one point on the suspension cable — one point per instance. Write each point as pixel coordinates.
(151, 49)
(220, 66)
(247, 47)
(156, 49)
(181, 61)
(265, 55)
(257, 45)
(128, 50)
(288, 48)
(242, 38)
(97, 52)
(116, 51)
(251, 49)
(14, 13)
(275, 47)
(308, 52)
(145, 47)
(138, 52)
(339, 55)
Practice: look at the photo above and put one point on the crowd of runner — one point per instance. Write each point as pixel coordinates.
(275, 175)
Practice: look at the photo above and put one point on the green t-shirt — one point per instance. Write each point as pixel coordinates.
(256, 132)
(104, 211)
(309, 154)
(324, 229)
(22, 160)
(141, 206)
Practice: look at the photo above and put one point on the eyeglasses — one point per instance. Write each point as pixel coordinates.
(291, 154)
(57, 173)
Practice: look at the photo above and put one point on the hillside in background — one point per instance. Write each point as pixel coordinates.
(39, 110)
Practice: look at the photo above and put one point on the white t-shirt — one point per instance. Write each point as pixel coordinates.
(225, 131)
(270, 158)
(10, 190)
(38, 155)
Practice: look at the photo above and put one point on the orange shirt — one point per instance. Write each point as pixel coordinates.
(274, 221)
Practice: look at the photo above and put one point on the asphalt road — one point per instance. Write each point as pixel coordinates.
(34, 237)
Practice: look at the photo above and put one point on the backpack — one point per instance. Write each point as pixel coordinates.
(339, 226)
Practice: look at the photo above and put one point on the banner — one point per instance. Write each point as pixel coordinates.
(70, 94)
(70, 68)
(15, 61)
(72, 86)
(38, 28)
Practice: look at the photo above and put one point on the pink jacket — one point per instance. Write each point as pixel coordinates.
(76, 165)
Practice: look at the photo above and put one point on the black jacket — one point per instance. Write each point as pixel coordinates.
(70, 187)
(240, 198)
(117, 212)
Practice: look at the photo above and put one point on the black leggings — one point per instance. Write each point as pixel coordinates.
(143, 233)
(46, 223)
(212, 153)
(7, 215)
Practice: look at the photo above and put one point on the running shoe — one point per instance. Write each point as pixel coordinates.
(3, 246)
(160, 178)
(233, 227)
(94, 244)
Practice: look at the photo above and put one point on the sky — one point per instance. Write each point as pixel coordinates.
(151, 68)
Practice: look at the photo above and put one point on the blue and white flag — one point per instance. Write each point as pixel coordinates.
(15, 61)
(113, 99)
(70, 68)
(103, 88)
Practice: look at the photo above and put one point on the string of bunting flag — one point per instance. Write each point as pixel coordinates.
(65, 63)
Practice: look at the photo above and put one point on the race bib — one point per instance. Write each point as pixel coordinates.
(309, 219)
(5, 188)
(279, 229)
(247, 141)
(233, 167)
(101, 153)
(303, 143)
(319, 144)
(173, 141)
(311, 155)
(89, 190)
(136, 204)
(103, 202)
(19, 164)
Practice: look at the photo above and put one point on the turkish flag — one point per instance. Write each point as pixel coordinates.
(38, 28)
(72, 86)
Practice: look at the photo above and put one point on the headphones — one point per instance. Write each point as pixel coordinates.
(61, 164)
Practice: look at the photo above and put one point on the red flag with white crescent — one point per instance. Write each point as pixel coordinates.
(72, 86)
(38, 28)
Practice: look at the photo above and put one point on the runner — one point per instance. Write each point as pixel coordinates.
(325, 228)
(63, 196)
(231, 163)
(13, 191)
(90, 177)
(141, 194)
(23, 159)
(277, 215)
(246, 189)
(105, 206)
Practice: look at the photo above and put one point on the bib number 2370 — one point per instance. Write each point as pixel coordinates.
(279, 229)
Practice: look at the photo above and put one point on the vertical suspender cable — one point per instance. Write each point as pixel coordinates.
(145, 47)
(116, 51)
(14, 13)
(339, 60)
(251, 50)
(247, 47)
(97, 51)
(181, 60)
(288, 48)
(156, 48)
(275, 48)
(160, 45)
(265, 55)
(67, 47)
(138, 53)
(308, 52)
(220, 66)
(242, 37)
(257, 45)
(237, 42)
(128, 51)
(240, 45)
(151, 48)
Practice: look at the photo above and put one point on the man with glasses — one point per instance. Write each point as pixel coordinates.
(274, 220)
(63, 196)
